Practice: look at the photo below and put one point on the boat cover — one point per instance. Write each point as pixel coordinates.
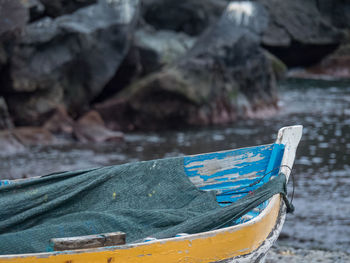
(143, 199)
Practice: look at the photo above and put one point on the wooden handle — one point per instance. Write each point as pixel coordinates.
(91, 241)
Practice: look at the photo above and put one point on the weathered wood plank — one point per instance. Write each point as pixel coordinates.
(91, 241)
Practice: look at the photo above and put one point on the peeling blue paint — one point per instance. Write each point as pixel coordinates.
(222, 155)
(260, 163)
(4, 182)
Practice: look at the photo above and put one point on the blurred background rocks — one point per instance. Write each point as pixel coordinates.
(159, 64)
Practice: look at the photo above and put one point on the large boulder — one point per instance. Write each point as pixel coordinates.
(189, 16)
(150, 50)
(161, 47)
(67, 60)
(298, 33)
(225, 75)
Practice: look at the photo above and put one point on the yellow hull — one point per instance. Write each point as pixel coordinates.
(218, 245)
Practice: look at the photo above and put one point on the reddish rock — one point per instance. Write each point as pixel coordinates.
(33, 136)
(60, 122)
(9, 143)
(334, 67)
(113, 112)
(91, 128)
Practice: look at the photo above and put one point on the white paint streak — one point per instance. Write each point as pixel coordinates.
(215, 165)
(232, 178)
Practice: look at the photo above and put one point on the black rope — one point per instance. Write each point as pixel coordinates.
(250, 185)
(290, 207)
(255, 183)
(289, 204)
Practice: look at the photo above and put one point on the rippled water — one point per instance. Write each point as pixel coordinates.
(322, 168)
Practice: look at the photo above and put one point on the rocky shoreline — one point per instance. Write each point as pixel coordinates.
(88, 70)
(295, 255)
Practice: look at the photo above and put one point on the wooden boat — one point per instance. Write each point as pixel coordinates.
(248, 240)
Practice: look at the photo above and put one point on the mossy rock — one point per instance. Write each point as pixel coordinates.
(278, 67)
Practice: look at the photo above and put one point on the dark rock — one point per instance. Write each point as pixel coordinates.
(9, 144)
(128, 71)
(334, 66)
(33, 136)
(36, 9)
(5, 120)
(117, 114)
(300, 55)
(150, 51)
(189, 16)
(225, 75)
(302, 22)
(56, 8)
(13, 16)
(278, 67)
(34, 108)
(163, 46)
(3, 57)
(91, 128)
(297, 27)
(68, 60)
(337, 12)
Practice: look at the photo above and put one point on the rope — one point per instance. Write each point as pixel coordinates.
(289, 204)
(254, 183)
